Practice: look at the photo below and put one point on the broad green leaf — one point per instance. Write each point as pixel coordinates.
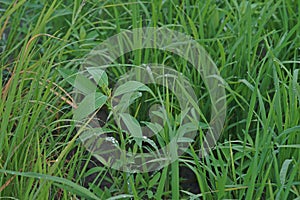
(185, 140)
(132, 86)
(99, 76)
(125, 101)
(154, 127)
(94, 132)
(150, 194)
(284, 170)
(133, 127)
(186, 128)
(82, 33)
(89, 104)
(78, 81)
(161, 114)
(92, 35)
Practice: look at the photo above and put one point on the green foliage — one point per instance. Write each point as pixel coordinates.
(255, 46)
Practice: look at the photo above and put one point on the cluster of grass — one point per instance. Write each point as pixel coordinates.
(256, 46)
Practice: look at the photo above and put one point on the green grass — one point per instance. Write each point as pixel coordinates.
(256, 47)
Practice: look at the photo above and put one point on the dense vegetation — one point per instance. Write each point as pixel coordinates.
(255, 45)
